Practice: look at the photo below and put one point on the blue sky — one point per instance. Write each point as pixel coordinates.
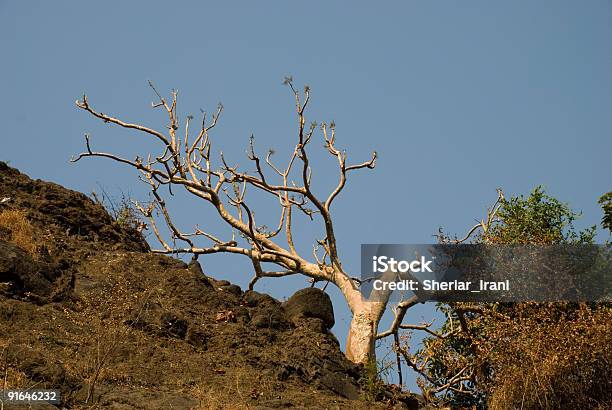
(457, 98)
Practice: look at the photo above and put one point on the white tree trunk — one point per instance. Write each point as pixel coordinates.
(361, 339)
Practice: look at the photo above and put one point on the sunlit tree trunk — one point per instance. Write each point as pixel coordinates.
(361, 340)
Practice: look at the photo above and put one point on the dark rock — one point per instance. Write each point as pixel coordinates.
(252, 299)
(173, 326)
(64, 287)
(312, 303)
(233, 289)
(40, 369)
(124, 398)
(172, 263)
(284, 372)
(33, 280)
(242, 314)
(186, 285)
(341, 385)
(70, 217)
(195, 267)
(197, 338)
(274, 404)
(268, 317)
(311, 323)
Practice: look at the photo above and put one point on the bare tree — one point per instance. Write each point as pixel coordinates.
(187, 162)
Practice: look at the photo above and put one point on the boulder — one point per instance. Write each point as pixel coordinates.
(25, 275)
(173, 326)
(310, 303)
(195, 267)
(252, 298)
(269, 316)
(233, 289)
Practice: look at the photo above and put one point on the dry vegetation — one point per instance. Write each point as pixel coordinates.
(545, 356)
(11, 377)
(110, 324)
(19, 230)
(524, 355)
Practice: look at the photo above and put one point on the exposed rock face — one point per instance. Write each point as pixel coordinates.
(37, 281)
(162, 333)
(310, 303)
(20, 273)
(71, 219)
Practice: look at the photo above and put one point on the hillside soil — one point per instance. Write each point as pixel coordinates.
(94, 314)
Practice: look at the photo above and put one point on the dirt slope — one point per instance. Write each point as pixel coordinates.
(95, 315)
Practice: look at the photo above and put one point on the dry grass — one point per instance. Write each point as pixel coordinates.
(21, 230)
(211, 398)
(237, 393)
(10, 378)
(15, 379)
(546, 363)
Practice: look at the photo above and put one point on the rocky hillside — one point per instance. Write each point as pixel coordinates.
(88, 310)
